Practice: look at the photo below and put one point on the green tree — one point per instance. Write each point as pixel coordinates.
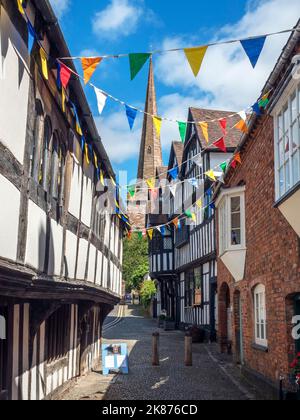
(135, 262)
(147, 292)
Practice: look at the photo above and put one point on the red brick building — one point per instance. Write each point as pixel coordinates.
(258, 214)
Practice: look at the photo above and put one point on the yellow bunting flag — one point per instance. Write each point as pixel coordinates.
(78, 128)
(102, 178)
(20, 7)
(151, 183)
(194, 218)
(211, 175)
(199, 204)
(86, 148)
(96, 160)
(157, 124)
(242, 126)
(195, 58)
(113, 181)
(117, 204)
(150, 234)
(63, 100)
(43, 56)
(89, 66)
(204, 127)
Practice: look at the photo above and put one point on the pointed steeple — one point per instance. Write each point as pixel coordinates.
(150, 151)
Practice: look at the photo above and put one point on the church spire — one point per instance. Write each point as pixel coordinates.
(150, 151)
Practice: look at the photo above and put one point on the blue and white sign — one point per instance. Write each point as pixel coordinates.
(115, 358)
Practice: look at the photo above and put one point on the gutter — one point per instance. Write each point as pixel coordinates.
(270, 84)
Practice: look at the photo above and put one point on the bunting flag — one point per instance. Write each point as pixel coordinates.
(78, 127)
(137, 62)
(21, 7)
(204, 127)
(263, 102)
(150, 234)
(198, 160)
(43, 56)
(173, 189)
(237, 158)
(224, 166)
(63, 100)
(212, 206)
(182, 130)
(154, 194)
(86, 152)
(140, 235)
(195, 58)
(129, 235)
(131, 115)
(242, 126)
(113, 181)
(101, 99)
(253, 48)
(131, 191)
(194, 218)
(31, 36)
(176, 222)
(102, 178)
(65, 75)
(174, 173)
(243, 115)
(256, 109)
(220, 144)
(157, 124)
(199, 204)
(89, 66)
(151, 183)
(211, 175)
(188, 214)
(96, 160)
(194, 182)
(223, 124)
(233, 164)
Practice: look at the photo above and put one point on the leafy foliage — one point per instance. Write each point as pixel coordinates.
(147, 292)
(135, 262)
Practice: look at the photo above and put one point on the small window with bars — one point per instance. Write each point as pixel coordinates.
(57, 333)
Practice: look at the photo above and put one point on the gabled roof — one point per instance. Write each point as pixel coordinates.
(177, 149)
(214, 129)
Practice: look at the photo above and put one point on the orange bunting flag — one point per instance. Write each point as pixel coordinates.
(176, 222)
(237, 158)
(242, 126)
(195, 58)
(43, 56)
(89, 65)
(129, 235)
(204, 127)
(151, 183)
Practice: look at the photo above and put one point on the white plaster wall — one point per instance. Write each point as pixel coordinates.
(75, 191)
(99, 269)
(71, 246)
(92, 264)
(87, 201)
(9, 219)
(14, 87)
(82, 256)
(55, 253)
(105, 273)
(36, 237)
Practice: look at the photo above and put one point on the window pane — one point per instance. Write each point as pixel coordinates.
(294, 107)
(295, 139)
(296, 168)
(281, 153)
(235, 204)
(281, 181)
(286, 120)
(287, 177)
(236, 237)
(236, 221)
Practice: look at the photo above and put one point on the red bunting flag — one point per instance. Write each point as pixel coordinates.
(234, 164)
(220, 144)
(223, 124)
(65, 75)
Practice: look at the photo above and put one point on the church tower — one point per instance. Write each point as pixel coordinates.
(150, 157)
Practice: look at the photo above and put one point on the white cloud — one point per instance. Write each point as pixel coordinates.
(60, 6)
(119, 18)
(120, 143)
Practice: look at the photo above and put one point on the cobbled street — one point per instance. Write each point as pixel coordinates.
(212, 377)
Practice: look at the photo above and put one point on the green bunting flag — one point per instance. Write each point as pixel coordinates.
(182, 130)
(188, 214)
(223, 166)
(137, 62)
(131, 191)
(140, 235)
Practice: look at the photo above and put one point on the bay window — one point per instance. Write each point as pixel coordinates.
(287, 142)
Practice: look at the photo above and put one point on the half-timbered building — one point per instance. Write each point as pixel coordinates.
(258, 235)
(60, 243)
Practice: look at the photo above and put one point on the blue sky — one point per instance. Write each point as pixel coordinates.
(226, 81)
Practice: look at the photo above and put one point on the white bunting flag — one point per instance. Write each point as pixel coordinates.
(243, 115)
(101, 100)
(173, 188)
(198, 160)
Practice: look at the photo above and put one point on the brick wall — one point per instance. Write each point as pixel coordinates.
(273, 259)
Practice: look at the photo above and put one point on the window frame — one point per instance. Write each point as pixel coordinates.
(225, 221)
(286, 157)
(260, 316)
